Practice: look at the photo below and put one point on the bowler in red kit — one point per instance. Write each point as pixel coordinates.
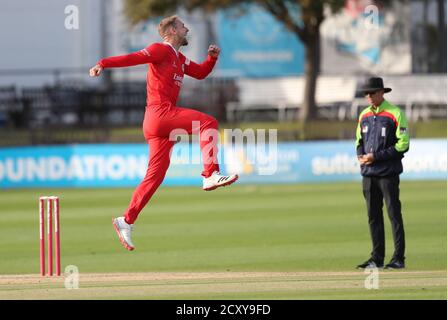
(166, 69)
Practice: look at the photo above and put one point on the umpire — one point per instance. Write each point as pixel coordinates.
(382, 139)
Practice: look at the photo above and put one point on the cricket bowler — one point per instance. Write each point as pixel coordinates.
(166, 69)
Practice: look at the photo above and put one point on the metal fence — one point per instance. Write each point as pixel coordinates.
(73, 108)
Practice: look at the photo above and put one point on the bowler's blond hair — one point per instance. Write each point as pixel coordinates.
(165, 24)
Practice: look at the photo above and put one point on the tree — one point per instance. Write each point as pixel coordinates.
(442, 65)
(306, 28)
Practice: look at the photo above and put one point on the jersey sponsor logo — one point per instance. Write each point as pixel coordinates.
(383, 132)
(178, 79)
(365, 129)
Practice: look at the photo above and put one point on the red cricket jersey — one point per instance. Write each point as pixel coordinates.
(165, 71)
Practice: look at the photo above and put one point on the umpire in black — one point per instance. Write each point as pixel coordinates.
(382, 139)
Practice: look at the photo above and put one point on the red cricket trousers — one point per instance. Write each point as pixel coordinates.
(160, 122)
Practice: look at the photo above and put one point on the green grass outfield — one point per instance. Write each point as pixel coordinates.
(239, 242)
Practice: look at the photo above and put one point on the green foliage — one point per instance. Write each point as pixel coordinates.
(282, 10)
(306, 27)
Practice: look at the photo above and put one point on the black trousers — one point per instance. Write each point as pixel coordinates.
(375, 189)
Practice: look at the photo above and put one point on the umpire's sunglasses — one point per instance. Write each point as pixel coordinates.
(370, 93)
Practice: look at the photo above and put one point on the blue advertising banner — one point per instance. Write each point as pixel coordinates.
(124, 165)
(107, 165)
(296, 162)
(327, 161)
(257, 45)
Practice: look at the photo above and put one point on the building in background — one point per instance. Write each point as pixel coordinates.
(361, 39)
(429, 36)
(35, 40)
(44, 65)
(38, 49)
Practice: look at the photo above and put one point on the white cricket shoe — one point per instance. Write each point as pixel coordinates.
(217, 180)
(124, 231)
